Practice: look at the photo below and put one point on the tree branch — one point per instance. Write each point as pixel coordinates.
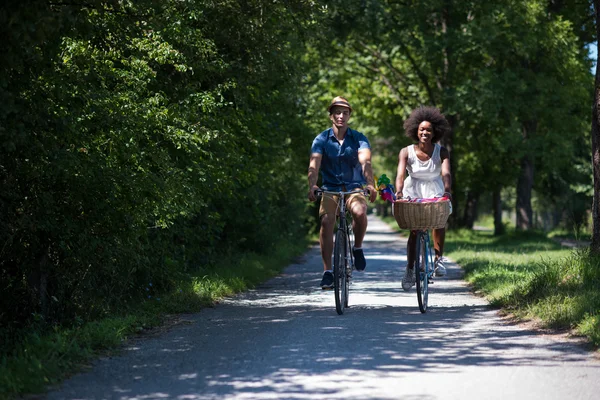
(420, 74)
(396, 93)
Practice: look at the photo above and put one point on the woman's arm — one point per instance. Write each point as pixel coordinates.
(446, 174)
(400, 174)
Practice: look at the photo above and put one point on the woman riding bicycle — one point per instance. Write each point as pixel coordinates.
(428, 166)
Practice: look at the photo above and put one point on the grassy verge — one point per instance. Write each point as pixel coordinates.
(531, 276)
(41, 360)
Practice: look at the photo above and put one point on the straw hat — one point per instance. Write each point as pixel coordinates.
(339, 102)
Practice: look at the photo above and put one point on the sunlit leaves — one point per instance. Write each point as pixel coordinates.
(131, 132)
(491, 66)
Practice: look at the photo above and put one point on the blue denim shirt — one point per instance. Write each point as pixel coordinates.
(340, 166)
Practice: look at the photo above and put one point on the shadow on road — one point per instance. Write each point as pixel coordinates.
(285, 340)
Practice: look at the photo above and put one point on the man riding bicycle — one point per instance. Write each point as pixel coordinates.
(343, 156)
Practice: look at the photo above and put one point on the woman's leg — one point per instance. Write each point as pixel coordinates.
(408, 280)
(439, 237)
(410, 249)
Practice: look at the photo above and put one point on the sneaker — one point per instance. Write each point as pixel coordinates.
(327, 281)
(439, 269)
(359, 259)
(408, 280)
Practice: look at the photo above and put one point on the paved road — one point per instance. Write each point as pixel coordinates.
(284, 340)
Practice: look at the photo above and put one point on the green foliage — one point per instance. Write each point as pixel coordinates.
(43, 359)
(139, 142)
(492, 67)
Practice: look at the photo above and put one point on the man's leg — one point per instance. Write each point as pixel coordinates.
(327, 217)
(357, 204)
(359, 222)
(326, 239)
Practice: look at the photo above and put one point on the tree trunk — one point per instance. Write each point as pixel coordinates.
(497, 204)
(595, 246)
(447, 142)
(445, 83)
(38, 282)
(524, 188)
(470, 213)
(525, 184)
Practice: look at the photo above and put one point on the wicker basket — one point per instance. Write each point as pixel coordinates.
(415, 216)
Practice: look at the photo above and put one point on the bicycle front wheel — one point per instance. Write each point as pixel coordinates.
(349, 263)
(340, 278)
(422, 271)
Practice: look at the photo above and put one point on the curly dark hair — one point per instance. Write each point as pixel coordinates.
(430, 114)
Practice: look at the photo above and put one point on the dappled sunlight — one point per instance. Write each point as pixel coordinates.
(380, 237)
(284, 340)
(366, 348)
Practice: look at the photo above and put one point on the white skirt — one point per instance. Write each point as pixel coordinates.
(423, 189)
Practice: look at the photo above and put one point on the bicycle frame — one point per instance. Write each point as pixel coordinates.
(344, 223)
(343, 258)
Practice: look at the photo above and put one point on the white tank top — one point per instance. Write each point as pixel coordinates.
(424, 170)
(424, 177)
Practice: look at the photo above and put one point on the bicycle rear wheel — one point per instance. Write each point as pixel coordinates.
(340, 278)
(422, 271)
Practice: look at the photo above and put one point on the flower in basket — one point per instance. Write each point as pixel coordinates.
(425, 200)
(432, 200)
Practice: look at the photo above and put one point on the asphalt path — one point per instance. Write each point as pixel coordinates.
(284, 340)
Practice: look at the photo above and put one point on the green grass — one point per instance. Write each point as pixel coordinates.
(40, 360)
(581, 234)
(533, 277)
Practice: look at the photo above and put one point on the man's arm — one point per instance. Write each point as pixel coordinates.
(364, 157)
(313, 174)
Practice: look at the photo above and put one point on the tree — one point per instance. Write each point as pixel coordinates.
(501, 71)
(595, 246)
(127, 133)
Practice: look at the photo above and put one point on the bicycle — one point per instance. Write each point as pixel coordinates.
(424, 267)
(420, 217)
(343, 258)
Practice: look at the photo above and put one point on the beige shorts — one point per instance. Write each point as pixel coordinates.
(329, 203)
